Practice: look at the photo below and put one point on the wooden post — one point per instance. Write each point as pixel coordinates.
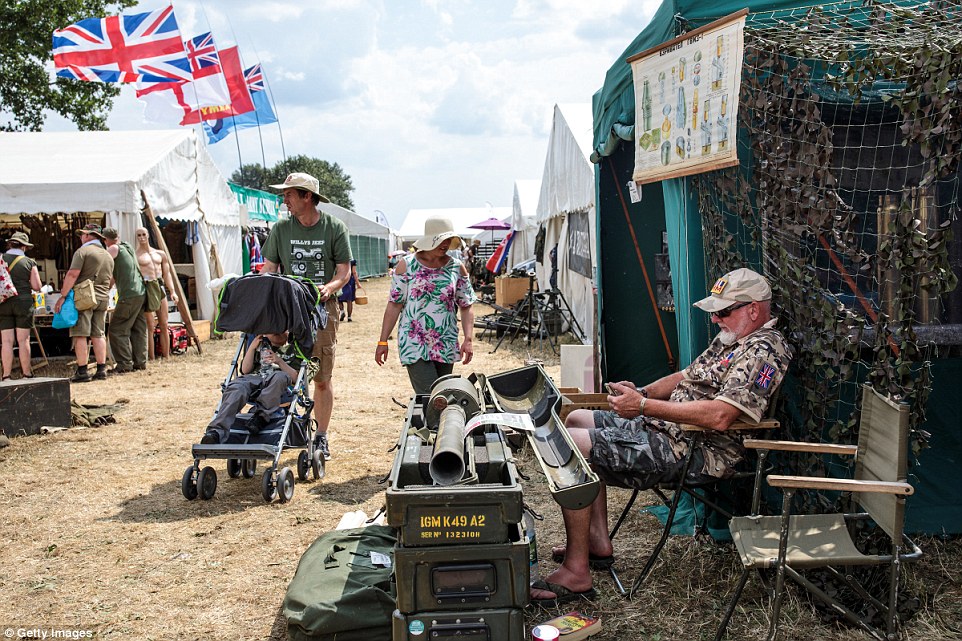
(181, 298)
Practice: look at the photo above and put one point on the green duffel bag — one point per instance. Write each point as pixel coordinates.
(337, 594)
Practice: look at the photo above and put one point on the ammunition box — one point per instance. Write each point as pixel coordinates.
(463, 577)
(479, 512)
(503, 624)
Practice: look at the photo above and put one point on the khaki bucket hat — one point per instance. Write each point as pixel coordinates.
(299, 180)
(22, 238)
(739, 286)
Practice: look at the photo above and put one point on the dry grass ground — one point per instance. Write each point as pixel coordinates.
(97, 536)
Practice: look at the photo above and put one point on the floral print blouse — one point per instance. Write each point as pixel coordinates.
(428, 327)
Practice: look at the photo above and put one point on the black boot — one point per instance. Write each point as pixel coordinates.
(82, 375)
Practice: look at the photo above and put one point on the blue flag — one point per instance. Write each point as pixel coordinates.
(263, 114)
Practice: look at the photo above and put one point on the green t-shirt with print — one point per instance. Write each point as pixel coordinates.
(310, 252)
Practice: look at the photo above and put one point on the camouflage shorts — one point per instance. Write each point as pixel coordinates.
(627, 453)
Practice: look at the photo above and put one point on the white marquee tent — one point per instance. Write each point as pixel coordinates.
(115, 172)
(460, 217)
(523, 220)
(568, 189)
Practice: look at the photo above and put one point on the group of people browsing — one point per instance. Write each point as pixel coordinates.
(140, 274)
(144, 280)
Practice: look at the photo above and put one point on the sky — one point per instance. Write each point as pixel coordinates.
(423, 103)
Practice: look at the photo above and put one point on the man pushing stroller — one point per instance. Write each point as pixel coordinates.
(269, 367)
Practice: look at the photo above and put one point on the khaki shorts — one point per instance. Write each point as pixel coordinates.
(16, 314)
(325, 343)
(91, 323)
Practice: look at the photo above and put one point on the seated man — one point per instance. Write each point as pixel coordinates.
(269, 366)
(638, 443)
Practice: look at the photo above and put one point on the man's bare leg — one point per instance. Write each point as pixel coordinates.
(151, 324)
(323, 404)
(100, 350)
(162, 314)
(585, 529)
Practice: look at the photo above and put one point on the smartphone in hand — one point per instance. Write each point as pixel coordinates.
(612, 390)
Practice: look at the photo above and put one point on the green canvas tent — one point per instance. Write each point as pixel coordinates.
(648, 327)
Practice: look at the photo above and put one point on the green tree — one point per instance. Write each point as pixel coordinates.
(335, 184)
(27, 88)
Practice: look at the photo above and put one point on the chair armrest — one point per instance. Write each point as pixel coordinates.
(737, 426)
(842, 485)
(800, 446)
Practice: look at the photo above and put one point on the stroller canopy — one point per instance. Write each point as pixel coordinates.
(271, 304)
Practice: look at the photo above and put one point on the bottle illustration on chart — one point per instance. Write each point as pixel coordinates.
(717, 65)
(706, 125)
(646, 106)
(723, 124)
(681, 110)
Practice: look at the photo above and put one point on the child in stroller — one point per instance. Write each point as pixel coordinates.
(269, 367)
(278, 317)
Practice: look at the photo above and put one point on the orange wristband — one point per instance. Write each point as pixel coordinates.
(382, 343)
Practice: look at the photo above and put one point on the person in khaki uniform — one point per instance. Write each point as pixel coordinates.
(638, 444)
(128, 326)
(90, 262)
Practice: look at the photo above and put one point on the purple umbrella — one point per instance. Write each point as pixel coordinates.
(492, 224)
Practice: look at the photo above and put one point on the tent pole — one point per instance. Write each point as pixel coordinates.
(181, 299)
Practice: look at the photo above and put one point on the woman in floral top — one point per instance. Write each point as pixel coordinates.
(427, 289)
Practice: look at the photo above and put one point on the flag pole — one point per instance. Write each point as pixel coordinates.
(270, 94)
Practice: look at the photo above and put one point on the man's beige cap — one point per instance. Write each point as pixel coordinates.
(299, 180)
(738, 286)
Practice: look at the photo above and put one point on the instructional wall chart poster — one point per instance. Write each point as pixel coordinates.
(686, 98)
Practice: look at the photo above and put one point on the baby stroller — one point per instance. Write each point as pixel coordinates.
(265, 304)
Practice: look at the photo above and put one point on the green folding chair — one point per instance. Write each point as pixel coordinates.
(791, 543)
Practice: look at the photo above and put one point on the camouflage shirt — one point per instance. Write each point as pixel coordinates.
(744, 374)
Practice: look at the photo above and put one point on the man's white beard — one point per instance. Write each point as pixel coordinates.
(727, 337)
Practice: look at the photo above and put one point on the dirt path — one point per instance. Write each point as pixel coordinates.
(97, 536)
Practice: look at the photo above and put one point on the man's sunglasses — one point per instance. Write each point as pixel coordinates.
(725, 313)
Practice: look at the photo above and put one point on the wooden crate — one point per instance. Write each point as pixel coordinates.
(589, 401)
(202, 329)
(508, 291)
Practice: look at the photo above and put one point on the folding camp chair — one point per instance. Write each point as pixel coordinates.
(790, 543)
(700, 491)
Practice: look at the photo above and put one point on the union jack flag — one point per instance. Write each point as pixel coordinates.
(125, 48)
(202, 53)
(254, 78)
(764, 379)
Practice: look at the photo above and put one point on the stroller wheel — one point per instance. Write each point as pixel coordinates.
(268, 491)
(207, 483)
(285, 484)
(188, 485)
(317, 465)
(249, 467)
(233, 468)
(303, 465)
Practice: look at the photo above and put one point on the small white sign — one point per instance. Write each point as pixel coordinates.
(634, 191)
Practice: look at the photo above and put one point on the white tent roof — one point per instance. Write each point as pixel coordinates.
(357, 224)
(85, 171)
(526, 194)
(568, 183)
(461, 217)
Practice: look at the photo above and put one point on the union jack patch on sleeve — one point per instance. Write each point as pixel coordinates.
(764, 379)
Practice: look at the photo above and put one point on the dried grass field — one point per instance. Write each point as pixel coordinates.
(96, 536)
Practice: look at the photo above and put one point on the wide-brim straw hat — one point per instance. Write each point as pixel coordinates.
(436, 231)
